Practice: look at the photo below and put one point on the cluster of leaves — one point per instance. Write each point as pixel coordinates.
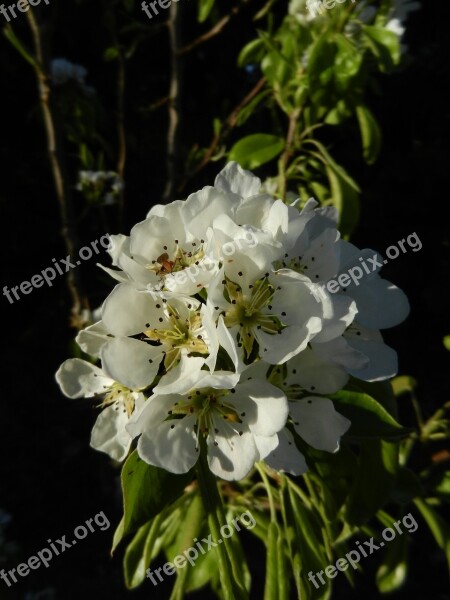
(316, 74)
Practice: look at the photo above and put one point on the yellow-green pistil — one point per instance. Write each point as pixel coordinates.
(208, 405)
(179, 333)
(116, 393)
(247, 311)
(182, 259)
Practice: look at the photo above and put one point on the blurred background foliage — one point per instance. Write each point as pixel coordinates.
(149, 110)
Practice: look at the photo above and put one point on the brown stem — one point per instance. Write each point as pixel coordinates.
(290, 137)
(230, 123)
(214, 31)
(120, 118)
(174, 27)
(121, 132)
(68, 231)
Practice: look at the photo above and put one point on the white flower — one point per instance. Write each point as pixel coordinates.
(238, 422)
(163, 253)
(62, 71)
(279, 312)
(166, 330)
(381, 304)
(323, 368)
(320, 254)
(151, 330)
(100, 185)
(80, 379)
(317, 422)
(299, 10)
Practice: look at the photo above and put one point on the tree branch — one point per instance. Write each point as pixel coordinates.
(174, 27)
(230, 123)
(214, 31)
(68, 231)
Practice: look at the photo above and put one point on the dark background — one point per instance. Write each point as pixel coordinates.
(50, 479)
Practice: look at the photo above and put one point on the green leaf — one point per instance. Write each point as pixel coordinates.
(393, 571)
(442, 487)
(147, 490)
(311, 553)
(321, 62)
(251, 53)
(438, 527)
(255, 150)
(271, 585)
(247, 111)
(139, 552)
(347, 63)
(378, 463)
(370, 134)
(14, 40)
(407, 487)
(380, 390)
(111, 53)
(282, 575)
(204, 8)
(385, 46)
(403, 384)
(368, 417)
(346, 201)
(194, 526)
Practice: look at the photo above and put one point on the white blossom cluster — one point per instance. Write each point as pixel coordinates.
(103, 186)
(63, 71)
(220, 336)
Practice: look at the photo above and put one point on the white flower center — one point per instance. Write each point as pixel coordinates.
(249, 311)
(178, 334)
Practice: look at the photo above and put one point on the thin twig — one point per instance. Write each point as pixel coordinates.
(68, 231)
(230, 123)
(121, 132)
(174, 27)
(288, 150)
(214, 31)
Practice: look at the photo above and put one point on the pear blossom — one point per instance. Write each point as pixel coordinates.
(317, 422)
(80, 379)
(313, 418)
(62, 71)
(150, 330)
(238, 423)
(321, 255)
(221, 336)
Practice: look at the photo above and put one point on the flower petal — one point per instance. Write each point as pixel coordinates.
(261, 406)
(131, 362)
(286, 457)
(382, 363)
(318, 423)
(234, 455)
(109, 434)
(80, 379)
(233, 178)
(129, 312)
(171, 446)
(93, 338)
